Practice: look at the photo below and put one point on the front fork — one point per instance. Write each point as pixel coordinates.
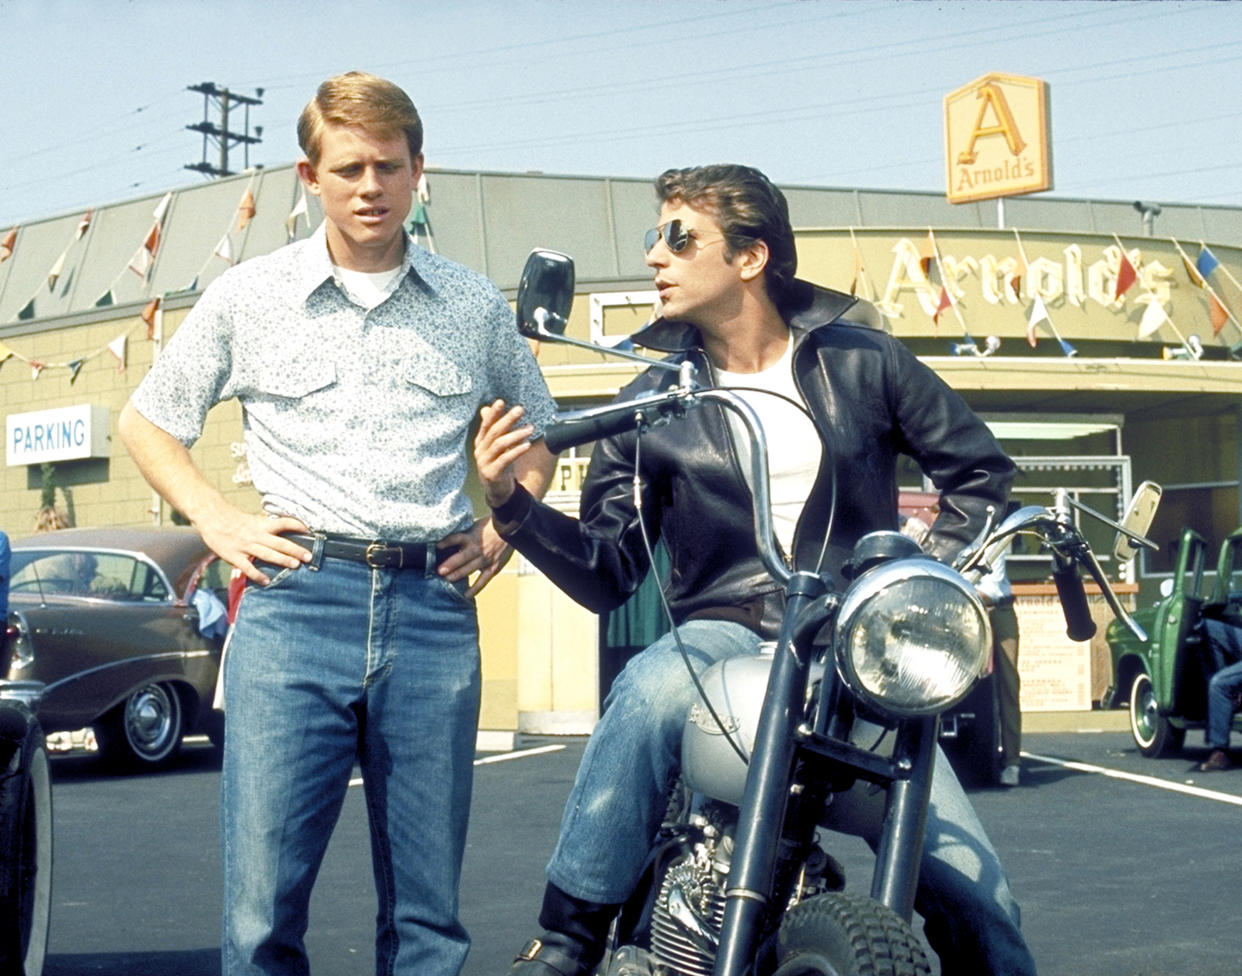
(761, 817)
(762, 813)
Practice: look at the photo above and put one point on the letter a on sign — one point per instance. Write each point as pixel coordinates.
(996, 138)
(991, 97)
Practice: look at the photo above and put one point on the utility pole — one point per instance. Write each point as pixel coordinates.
(221, 135)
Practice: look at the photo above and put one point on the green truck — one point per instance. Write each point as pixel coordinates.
(1164, 680)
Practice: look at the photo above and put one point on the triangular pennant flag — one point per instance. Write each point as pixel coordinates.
(300, 209)
(1206, 263)
(5, 352)
(140, 263)
(75, 367)
(1066, 347)
(1014, 285)
(224, 250)
(1217, 314)
(104, 300)
(83, 225)
(945, 302)
(422, 196)
(152, 242)
(148, 315)
(144, 258)
(36, 368)
(245, 210)
(162, 207)
(7, 245)
(927, 255)
(1154, 316)
(117, 348)
(1039, 313)
(27, 312)
(1126, 276)
(55, 273)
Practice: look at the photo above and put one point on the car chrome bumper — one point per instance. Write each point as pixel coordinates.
(27, 692)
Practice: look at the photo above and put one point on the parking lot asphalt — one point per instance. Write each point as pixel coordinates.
(1124, 866)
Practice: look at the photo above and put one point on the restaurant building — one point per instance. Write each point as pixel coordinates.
(1099, 340)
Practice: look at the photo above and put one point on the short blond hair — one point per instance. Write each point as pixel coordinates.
(358, 98)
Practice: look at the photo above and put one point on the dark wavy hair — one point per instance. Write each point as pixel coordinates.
(748, 207)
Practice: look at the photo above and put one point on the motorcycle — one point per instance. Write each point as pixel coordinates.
(833, 725)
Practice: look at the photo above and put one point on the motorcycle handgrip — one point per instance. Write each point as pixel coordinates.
(575, 427)
(572, 431)
(1078, 623)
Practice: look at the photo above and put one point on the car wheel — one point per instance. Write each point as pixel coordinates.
(144, 730)
(26, 868)
(1153, 733)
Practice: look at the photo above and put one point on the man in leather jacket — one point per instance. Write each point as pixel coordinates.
(724, 261)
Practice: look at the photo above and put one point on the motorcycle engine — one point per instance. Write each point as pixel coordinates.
(688, 913)
(686, 920)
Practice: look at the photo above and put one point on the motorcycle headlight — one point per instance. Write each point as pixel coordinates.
(912, 637)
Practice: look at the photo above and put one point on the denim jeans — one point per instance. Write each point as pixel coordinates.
(1225, 683)
(326, 666)
(633, 756)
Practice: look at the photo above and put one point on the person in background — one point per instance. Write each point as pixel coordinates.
(1224, 695)
(997, 595)
(360, 361)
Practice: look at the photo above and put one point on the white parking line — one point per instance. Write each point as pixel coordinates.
(519, 754)
(1161, 784)
(501, 757)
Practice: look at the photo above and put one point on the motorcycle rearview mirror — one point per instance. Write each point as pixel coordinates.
(1137, 521)
(544, 298)
(545, 294)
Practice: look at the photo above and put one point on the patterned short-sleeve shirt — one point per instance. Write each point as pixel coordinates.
(355, 421)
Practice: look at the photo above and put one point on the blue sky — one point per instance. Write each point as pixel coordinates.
(1144, 95)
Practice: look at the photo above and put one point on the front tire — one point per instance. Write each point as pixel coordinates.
(1154, 735)
(26, 867)
(846, 934)
(145, 730)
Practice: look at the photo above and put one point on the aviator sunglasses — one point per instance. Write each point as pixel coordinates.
(677, 237)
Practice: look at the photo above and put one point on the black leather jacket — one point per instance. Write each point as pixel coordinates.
(871, 400)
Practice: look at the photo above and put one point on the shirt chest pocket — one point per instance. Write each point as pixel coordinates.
(437, 375)
(295, 379)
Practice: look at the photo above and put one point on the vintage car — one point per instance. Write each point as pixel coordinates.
(124, 628)
(1164, 680)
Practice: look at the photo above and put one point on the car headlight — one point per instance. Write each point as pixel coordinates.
(912, 637)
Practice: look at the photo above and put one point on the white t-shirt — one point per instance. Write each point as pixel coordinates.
(367, 288)
(794, 448)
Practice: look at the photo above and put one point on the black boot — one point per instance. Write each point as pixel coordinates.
(575, 936)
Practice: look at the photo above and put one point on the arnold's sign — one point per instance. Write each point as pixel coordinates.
(996, 138)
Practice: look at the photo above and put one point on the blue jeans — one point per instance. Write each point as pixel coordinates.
(327, 666)
(1225, 684)
(633, 756)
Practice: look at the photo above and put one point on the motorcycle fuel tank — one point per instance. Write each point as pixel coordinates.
(735, 687)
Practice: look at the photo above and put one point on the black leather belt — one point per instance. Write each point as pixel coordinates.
(373, 553)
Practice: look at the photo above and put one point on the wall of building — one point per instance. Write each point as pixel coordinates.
(1178, 418)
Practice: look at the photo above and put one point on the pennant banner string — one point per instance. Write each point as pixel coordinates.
(1206, 285)
(223, 250)
(1046, 318)
(55, 271)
